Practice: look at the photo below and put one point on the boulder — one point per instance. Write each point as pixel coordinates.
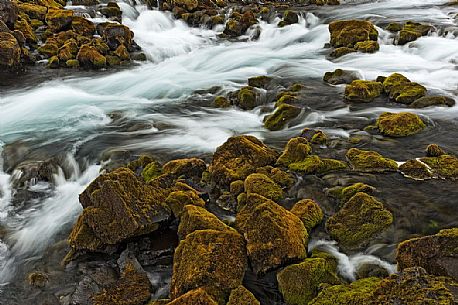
(212, 259)
(274, 235)
(296, 150)
(188, 168)
(436, 100)
(281, 116)
(196, 218)
(89, 57)
(8, 12)
(400, 124)
(241, 295)
(221, 102)
(340, 76)
(309, 212)
(411, 31)
(82, 26)
(59, 19)
(25, 28)
(264, 186)
(260, 81)
(10, 51)
(180, 197)
(358, 221)
(369, 161)
(151, 171)
(194, 297)
(115, 34)
(314, 165)
(34, 11)
(247, 98)
(416, 170)
(434, 150)
(348, 33)
(437, 254)
(345, 193)
(368, 46)
(402, 90)
(362, 91)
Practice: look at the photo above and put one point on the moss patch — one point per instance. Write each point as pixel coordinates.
(242, 296)
(415, 170)
(196, 218)
(347, 33)
(444, 166)
(362, 91)
(281, 116)
(316, 165)
(296, 150)
(264, 186)
(370, 161)
(309, 212)
(399, 124)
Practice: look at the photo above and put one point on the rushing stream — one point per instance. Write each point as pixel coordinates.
(164, 106)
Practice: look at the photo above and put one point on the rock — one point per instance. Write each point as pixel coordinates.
(444, 166)
(247, 98)
(402, 90)
(82, 26)
(416, 170)
(316, 165)
(362, 91)
(208, 258)
(151, 171)
(345, 193)
(340, 76)
(236, 187)
(437, 254)
(290, 17)
(393, 27)
(359, 220)
(178, 199)
(89, 57)
(132, 288)
(238, 157)
(198, 296)
(59, 19)
(189, 168)
(241, 295)
(366, 270)
(8, 12)
(394, 80)
(37, 279)
(274, 235)
(112, 10)
(34, 11)
(233, 28)
(221, 102)
(411, 31)
(49, 49)
(10, 51)
(279, 176)
(281, 116)
(368, 46)
(264, 186)
(122, 53)
(339, 52)
(434, 150)
(85, 2)
(369, 161)
(428, 101)
(72, 63)
(309, 212)
(400, 124)
(348, 33)
(260, 81)
(117, 206)
(196, 218)
(115, 35)
(68, 50)
(299, 283)
(296, 150)
(138, 165)
(25, 28)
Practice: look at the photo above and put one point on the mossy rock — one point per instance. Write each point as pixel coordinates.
(34, 11)
(72, 63)
(188, 168)
(132, 288)
(37, 279)
(139, 164)
(290, 17)
(436, 100)
(434, 150)
(444, 166)
(53, 62)
(26, 29)
(82, 26)
(411, 31)
(59, 19)
(122, 52)
(48, 49)
(196, 218)
(339, 76)
(416, 170)
(89, 57)
(264, 186)
(237, 187)
(394, 80)
(198, 296)
(234, 28)
(296, 150)
(189, 5)
(309, 212)
(286, 98)
(360, 219)
(369, 161)
(260, 81)
(280, 177)
(299, 283)
(117, 206)
(368, 46)
(316, 165)
(239, 157)
(362, 91)
(400, 124)
(281, 116)
(242, 296)
(393, 27)
(346, 33)
(274, 235)
(345, 193)
(178, 199)
(221, 102)
(437, 254)
(208, 258)
(339, 52)
(407, 93)
(247, 98)
(151, 171)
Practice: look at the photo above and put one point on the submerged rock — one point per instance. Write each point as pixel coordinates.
(309, 212)
(281, 116)
(362, 91)
(369, 161)
(444, 166)
(437, 100)
(360, 219)
(411, 31)
(340, 76)
(437, 254)
(274, 235)
(400, 124)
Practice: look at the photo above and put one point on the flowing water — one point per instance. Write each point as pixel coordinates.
(164, 106)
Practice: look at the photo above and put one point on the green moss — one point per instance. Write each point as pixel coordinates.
(367, 46)
(316, 165)
(140, 163)
(296, 150)
(197, 296)
(177, 200)
(415, 170)
(247, 98)
(221, 102)
(242, 296)
(412, 31)
(281, 116)
(113, 60)
(394, 80)
(370, 161)
(279, 176)
(188, 168)
(49, 49)
(196, 218)
(362, 91)
(89, 57)
(260, 81)
(360, 219)
(59, 19)
(53, 62)
(236, 187)
(444, 166)
(331, 261)
(286, 98)
(393, 27)
(400, 124)
(152, 170)
(299, 283)
(309, 212)
(208, 258)
(319, 138)
(296, 87)
(264, 186)
(348, 33)
(33, 11)
(349, 191)
(82, 26)
(407, 93)
(274, 236)
(434, 150)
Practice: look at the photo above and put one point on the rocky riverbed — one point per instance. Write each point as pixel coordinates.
(224, 152)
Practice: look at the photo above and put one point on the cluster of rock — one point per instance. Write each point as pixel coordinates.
(34, 30)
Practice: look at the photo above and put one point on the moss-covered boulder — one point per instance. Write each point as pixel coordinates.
(360, 219)
(237, 158)
(264, 186)
(221, 102)
(280, 177)
(115, 34)
(181, 196)
(274, 235)
(8, 12)
(296, 150)
(196, 218)
(117, 206)
(339, 52)
(10, 51)
(394, 80)
(400, 124)
(339, 76)
(242, 296)
(369, 161)
(416, 170)
(411, 31)
(368, 46)
(299, 283)
(82, 26)
(89, 57)
(444, 166)
(402, 90)
(188, 168)
(34, 11)
(434, 150)
(362, 91)
(393, 27)
(247, 98)
(316, 165)
(197, 296)
(437, 254)
(132, 288)
(208, 258)
(309, 212)
(260, 81)
(347, 33)
(151, 171)
(59, 19)
(434, 100)
(345, 193)
(281, 116)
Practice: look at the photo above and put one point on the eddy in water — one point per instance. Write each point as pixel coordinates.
(228, 152)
